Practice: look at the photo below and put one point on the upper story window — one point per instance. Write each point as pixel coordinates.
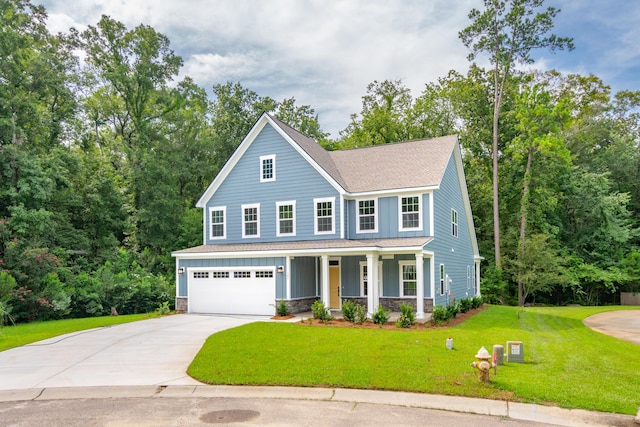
(268, 168)
(410, 213)
(286, 219)
(443, 278)
(217, 224)
(454, 223)
(324, 218)
(367, 216)
(251, 220)
(408, 279)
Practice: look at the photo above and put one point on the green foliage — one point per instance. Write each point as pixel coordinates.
(381, 316)
(407, 316)
(354, 312)
(320, 312)
(465, 304)
(477, 302)
(453, 310)
(282, 308)
(163, 309)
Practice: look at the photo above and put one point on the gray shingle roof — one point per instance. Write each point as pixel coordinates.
(412, 164)
(308, 245)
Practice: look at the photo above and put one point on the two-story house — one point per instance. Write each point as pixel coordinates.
(286, 219)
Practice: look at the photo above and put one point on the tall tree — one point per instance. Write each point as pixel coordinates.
(508, 33)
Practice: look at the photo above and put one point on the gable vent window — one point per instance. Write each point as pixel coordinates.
(268, 168)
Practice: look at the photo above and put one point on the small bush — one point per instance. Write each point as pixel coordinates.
(320, 312)
(361, 314)
(476, 302)
(440, 315)
(453, 311)
(465, 304)
(407, 316)
(163, 309)
(282, 308)
(349, 310)
(381, 316)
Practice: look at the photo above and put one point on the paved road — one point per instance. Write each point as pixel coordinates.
(623, 324)
(151, 352)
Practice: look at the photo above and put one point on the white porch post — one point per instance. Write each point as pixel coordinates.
(477, 278)
(420, 285)
(287, 278)
(324, 266)
(372, 283)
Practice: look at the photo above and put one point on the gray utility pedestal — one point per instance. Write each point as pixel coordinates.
(515, 351)
(498, 354)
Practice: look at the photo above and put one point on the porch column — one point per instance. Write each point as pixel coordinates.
(372, 283)
(324, 269)
(477, 284)
(420, 285)
(287, 278)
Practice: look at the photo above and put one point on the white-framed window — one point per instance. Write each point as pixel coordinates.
(217, 222)
(286, 218)
(367, 216)
(268, 168)
(251, 220)
(469, 277)
(364, 279)
(408, 279)
(454, 223)
(410, 213)
(443, 278)
(324, 215)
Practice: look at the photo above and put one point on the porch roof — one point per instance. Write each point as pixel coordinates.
(310, 246)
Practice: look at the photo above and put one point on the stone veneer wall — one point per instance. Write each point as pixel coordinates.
(182, 304)
(393, 304)
(299, 305)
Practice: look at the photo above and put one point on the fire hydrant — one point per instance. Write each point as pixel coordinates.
(483, 365)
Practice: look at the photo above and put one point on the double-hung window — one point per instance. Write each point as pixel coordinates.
(408, 279)
(367, 216)
(251, 220)
(443, 278)
(286, 218)
(268, 168)
(217, 224)
(410, 213)
(454, 223)
(324, 218)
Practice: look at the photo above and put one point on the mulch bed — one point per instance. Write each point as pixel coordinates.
(341, 323)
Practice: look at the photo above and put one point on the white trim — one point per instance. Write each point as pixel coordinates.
(333, 215)
(271, 157)
(432, 229)
(375, 215)
(291, 203)
(389, 193)
(224, 222)
(420, 213)
(401, 264)
(251, 206)
(342, 214)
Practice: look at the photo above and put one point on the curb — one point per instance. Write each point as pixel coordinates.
(512, 410)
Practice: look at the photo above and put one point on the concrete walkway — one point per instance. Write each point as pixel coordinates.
(622, 324)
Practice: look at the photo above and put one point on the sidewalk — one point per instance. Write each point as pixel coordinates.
(512, 410)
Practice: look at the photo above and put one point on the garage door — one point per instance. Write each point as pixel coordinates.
(232, 291)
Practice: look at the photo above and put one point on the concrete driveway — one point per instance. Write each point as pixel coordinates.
(623, 324)
(150, 352)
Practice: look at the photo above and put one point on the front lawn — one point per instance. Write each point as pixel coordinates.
(567, 364)
(26, 333)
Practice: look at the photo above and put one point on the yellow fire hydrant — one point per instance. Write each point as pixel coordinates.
(483, 365)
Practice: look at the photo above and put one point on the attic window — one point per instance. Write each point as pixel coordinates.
(268, 168)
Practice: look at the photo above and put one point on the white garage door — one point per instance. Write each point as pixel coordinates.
(232, 291)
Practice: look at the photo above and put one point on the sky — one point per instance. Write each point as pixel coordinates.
(324, 53)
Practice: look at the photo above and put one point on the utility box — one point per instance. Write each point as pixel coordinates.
(515, 351)
(498, 354)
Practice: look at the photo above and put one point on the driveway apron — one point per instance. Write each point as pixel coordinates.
(149, 352)
(623, 324)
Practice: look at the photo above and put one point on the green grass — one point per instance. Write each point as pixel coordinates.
(566, 363)
(26, 333)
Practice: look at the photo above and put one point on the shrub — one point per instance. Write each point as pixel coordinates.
(282, 308)
(453, 310)
(476, 302)
(465, 304)
(320, 312)
(381, 316)
(440, 315)
(163, 309)
(349, 310)
(361, 314)
(407, 316)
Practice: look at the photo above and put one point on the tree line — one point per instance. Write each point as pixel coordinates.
(104, 152)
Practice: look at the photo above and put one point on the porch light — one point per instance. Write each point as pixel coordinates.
(280, 269)
(181, 270)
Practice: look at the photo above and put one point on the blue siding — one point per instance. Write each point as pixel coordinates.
(295, 180)
(350, 275)
(456, 253)
(388, 225)
(303, 277)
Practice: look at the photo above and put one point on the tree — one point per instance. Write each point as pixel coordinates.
(508, 34)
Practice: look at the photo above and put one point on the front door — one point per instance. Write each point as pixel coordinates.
(334, 284)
